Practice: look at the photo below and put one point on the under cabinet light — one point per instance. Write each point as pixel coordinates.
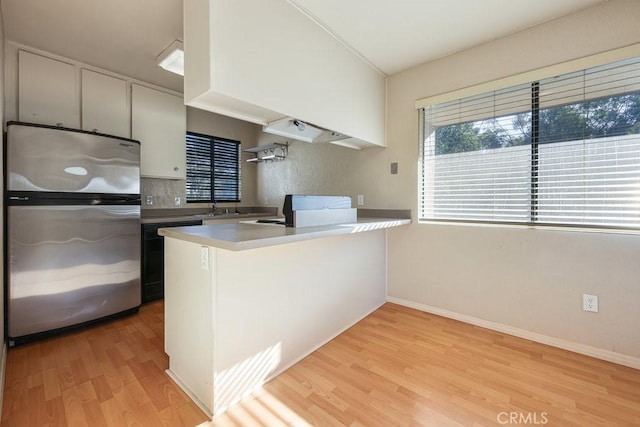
(172, 58)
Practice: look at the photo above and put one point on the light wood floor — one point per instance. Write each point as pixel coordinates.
(397, 367)
(106, 375)
(402, 367)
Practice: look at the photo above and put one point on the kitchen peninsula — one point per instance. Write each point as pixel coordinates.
(243, 302)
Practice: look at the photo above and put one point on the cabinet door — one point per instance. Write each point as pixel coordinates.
(47, 91)
(104, 104)
(159, 122)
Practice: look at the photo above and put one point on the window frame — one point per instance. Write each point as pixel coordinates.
(237, 176)
(533, 221)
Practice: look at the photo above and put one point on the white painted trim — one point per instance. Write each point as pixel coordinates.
(278, 371)
(529, 76)
(3, 369)
(335, 35)
(281, 369)
(188, 392)
(598, 353)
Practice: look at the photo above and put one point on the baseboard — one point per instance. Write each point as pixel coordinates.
(188, 392)
(283, 368)
(598, 353)
(3, 366)
(274, 374)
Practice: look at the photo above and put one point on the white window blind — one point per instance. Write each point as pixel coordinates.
(213, 169)
(561, 151)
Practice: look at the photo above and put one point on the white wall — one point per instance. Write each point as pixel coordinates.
(2, 120)
(3, 345)
(530, 279)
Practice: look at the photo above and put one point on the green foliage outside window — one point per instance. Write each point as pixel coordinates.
(617, 115)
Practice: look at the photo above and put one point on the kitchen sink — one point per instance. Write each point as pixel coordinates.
(220, 215)
(223, 214)
(203, 215)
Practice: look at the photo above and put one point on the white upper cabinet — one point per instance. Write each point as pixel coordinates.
(47, 91)
(104, 104)
(159, 122)
(262, 60)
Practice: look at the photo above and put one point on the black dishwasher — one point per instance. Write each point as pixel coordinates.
(153, 258)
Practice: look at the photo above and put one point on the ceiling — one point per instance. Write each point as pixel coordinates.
(396, 35)
(125, 36)
(122, 36)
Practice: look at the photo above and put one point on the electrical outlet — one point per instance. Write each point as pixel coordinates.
(176, 201)
(590, 303)
(360, 200)
(204, 257)
(149, 200)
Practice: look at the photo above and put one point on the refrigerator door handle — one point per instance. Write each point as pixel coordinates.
(34, 198)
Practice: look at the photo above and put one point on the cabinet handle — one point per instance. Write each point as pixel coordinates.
(175, 168)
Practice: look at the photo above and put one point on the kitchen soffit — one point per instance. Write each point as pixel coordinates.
(125, 36)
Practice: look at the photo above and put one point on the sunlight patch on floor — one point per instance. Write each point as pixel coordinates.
(261, 408)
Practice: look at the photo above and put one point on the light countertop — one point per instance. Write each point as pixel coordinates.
(159, 216)
(244, 236)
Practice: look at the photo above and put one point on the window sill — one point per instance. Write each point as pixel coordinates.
(527, 226)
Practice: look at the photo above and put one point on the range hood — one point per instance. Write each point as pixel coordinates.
(290, 127)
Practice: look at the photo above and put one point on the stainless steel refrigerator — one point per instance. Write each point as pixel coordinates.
(73, 228)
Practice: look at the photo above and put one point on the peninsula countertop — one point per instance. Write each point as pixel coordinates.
(244, 236)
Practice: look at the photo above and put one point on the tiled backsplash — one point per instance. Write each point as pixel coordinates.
(163, 192)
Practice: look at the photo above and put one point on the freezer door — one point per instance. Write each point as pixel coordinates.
(62, 160)
(71, 264)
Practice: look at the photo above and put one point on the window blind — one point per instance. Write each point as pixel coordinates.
(562, 151)
(226, 170)
(213, 169)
